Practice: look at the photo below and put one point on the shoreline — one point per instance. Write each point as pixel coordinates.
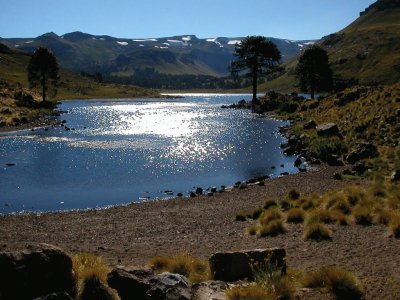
(130, 235)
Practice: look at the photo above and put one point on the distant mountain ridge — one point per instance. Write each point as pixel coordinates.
(176, 55)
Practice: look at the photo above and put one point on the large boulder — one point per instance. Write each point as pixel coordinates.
(168, 286)
(130, 283)
(362, 151)
(39, 270)
(215, 290)
(234, 266)
(328, 129)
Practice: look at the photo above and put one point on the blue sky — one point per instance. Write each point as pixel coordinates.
(291, 19)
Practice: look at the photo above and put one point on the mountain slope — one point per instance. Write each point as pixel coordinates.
(13, 72)
(175, 55)
(367, 51)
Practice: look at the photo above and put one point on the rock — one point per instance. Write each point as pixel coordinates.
(328, 129)
(395, 176)
(284, 173)
(362, 151)
(334, 160)
(130, 283)
(192, 195)
(199, 191)
(337, 176)
(179, 195)
(297, 162)
(214, 290)
(210, 194)
(213, 189)
(310, 124)
(237, 184)
(10, 164)
(39, 270)
(361, 167)
(234, 266)
(168, 286)
(168, 192)
(243, 186)
(56, 296)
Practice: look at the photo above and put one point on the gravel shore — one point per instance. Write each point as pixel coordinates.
(201, 226)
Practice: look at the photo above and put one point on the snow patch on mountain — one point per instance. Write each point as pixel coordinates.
(123, 43)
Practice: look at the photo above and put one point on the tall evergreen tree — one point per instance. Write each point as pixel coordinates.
(43, 71)
(313, 72)
(256, 55)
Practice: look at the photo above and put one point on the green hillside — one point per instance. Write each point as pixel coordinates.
(368, 50)
(13, 65)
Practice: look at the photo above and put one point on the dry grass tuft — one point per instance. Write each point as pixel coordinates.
(196, 270)
(272, 228)
(251, 292)
(317, 231)
(270, 203)
(342, 283)
(270, 215)
(295, 215)
(90, 273)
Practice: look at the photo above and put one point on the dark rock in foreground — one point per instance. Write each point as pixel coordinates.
(40, 270)
(363, 151)
(234, 266)
(169, 286)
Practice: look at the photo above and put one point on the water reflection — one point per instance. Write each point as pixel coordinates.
(118, 151)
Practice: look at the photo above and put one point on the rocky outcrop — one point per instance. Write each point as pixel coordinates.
(131, 283)
(362, 151)
(234, 266)
(40, 270)
(328, 129)
(169, 286)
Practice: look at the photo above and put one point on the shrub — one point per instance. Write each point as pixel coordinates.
(255, 214)
(317, 231)
(86, 265)
(272, 228)
(323, 148)
(320, 215)
(90, 273)
(252, 230)
(270, 203)
(344, 284)
(295, 215)
(293, 194)
(285, 204)
(339, 217)
(382, 215)
(394, 225)
(196, 270)
(251, 292)
(241, 216)
(362, 215)
(270, 215)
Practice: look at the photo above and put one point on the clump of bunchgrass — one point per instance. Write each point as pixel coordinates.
(256, 213)
(285, 204)
(272, 228)
(270, 203)
(394, 224)
(90, 273)
(295, 215)
(241, 216)
(250, 292)
(342, 283)
(293, 194)
(270, 215)
(315, 230)
(196, 270)
(362, 215)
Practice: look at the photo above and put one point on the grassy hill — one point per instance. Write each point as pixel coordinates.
(368, 50)
(13, 65)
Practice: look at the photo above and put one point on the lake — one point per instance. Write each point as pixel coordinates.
(120, 151)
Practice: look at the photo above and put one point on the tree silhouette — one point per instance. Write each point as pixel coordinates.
(313, 72)
(43, 71)
(256, 55)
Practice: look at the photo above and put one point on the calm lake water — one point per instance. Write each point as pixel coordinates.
(122, 151)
